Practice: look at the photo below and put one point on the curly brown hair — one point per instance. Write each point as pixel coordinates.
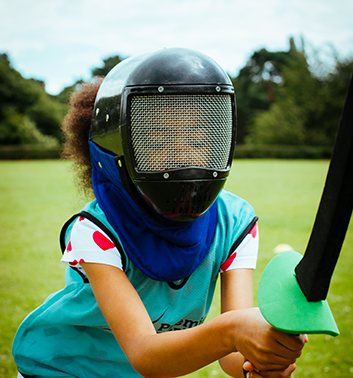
(76, 127)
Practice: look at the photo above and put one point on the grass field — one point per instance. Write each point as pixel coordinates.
(36, 198)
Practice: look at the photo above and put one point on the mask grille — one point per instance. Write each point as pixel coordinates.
(171, 132)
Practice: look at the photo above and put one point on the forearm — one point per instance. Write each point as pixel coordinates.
(158, 355)
(177, 353)
(236, 294)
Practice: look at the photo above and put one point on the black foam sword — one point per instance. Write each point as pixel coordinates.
(293, 288)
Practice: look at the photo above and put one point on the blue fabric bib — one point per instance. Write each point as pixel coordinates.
(162, 252)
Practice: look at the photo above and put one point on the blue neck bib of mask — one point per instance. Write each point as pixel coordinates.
(162, 252)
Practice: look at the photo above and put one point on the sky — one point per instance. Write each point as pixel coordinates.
(61, 41)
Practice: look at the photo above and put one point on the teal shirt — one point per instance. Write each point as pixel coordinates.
(67, 336)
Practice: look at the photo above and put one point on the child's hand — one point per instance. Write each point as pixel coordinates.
(254, 373)
(272, 353)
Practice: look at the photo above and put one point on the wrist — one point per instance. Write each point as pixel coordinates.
(231, 329)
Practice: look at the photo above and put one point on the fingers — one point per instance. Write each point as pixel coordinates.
(273, 356)
(248, 366)
(293, 343)
(276, 356)
(286, 373)
(266, 347)
(287, 347)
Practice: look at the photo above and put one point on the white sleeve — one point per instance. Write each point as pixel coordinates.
(245, 255)
(88, 243)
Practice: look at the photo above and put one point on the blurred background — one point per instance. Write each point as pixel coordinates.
(290, 61)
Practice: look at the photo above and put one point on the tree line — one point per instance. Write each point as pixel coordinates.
(281, 100)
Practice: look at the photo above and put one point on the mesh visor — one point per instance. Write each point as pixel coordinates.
(176, 131)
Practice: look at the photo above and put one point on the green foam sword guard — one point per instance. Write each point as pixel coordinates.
(283, 304)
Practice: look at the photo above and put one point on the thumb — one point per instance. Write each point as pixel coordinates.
(248, 366)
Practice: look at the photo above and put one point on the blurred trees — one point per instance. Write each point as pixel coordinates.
(281, 99)
(28, 115)
(107, 66)
(64, 95)
(255, 87)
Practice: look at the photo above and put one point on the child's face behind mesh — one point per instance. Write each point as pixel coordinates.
(174, 140)
(176, 146)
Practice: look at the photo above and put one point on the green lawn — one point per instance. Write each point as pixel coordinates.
(36, 198)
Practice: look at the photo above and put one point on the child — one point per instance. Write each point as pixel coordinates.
(145, 254)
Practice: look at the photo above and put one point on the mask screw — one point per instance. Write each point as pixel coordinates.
(97, 111)
(107, 118)
(215, 174)
(166, 175)
(160, 89)
(218, 89)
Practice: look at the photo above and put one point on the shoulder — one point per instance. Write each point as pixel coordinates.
(87, 238)
(236, 218)
(234, 210)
